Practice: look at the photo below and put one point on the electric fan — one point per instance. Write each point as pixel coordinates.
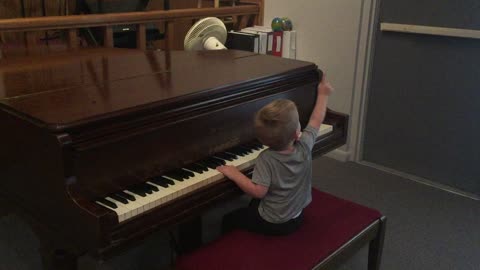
(207, 34)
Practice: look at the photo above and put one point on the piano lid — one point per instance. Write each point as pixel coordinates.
(68, 90)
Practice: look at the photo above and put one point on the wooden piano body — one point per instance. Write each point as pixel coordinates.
(79, 126)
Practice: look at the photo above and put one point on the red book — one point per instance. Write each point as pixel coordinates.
(277, 43)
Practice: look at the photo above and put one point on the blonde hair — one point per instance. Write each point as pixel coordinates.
(276, 124)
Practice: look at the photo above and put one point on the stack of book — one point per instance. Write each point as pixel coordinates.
(261, 39)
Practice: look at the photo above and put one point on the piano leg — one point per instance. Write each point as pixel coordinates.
(190, 235)
(54, 255)
(58, 259)
(3, 207)
(25, 241)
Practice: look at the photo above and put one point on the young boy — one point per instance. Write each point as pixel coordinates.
(281, 181)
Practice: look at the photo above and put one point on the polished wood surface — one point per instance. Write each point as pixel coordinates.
(105, 83)
(84, 124)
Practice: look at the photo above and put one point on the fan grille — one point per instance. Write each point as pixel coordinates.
(208, 27)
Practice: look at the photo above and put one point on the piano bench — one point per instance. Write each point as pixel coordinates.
(333, 230)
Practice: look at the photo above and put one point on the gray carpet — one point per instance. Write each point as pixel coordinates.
(427, 228)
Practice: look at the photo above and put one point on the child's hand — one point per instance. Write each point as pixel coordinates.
(324, 87)
(230, 171)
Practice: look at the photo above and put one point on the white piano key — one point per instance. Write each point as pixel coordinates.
(131, 207)
(195, 181)
(135, 206)
(324, 129)
(149, 201)
(156, 197)
(122, 212)
(119, 211)
(143, 203)
(179, 185)
(163, 194)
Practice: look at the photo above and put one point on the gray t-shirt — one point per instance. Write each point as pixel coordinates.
(288, 178)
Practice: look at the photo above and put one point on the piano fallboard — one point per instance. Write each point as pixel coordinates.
(86, 124)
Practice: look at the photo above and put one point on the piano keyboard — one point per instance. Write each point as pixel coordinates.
(161, 189)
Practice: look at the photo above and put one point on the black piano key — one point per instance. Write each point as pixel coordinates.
(216, 161)
(237, 151)
(259, 145)
(206, 165)
(140, 188)
(233, 156)
(250, 146)
(118, 198)
(224, 156)
(255, 146)
(179, 173)
(170, 181)
(174, 176)
(108, 203)
(243, 149)
(152, 187)
(164, 180)
(195, 168)
(161, 181)
(221, 159)
(137, 191)
(189, 173)
(201, 167)
(230, 151)
(220, 156)
(246, 148)
(204, 168)
(126, 196)
(145, 188)
(183, 173)
(212, 164)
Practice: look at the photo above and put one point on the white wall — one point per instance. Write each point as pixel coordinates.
(330, 33)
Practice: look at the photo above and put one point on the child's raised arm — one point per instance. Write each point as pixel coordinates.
(318, 114)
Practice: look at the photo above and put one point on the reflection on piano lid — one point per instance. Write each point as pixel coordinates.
(158, 190)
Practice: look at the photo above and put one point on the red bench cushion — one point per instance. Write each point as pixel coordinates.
(329, 222)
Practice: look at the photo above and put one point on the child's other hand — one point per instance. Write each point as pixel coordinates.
(324, 87)
(229, 171)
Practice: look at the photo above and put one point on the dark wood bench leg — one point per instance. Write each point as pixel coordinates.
(376, 247)
(59, 259)
(3, 207)
(190, 235)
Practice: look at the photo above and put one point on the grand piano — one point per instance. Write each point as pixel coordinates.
(101, 147)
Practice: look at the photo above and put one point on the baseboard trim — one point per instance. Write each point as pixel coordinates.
(339, 155)
(422, 180)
